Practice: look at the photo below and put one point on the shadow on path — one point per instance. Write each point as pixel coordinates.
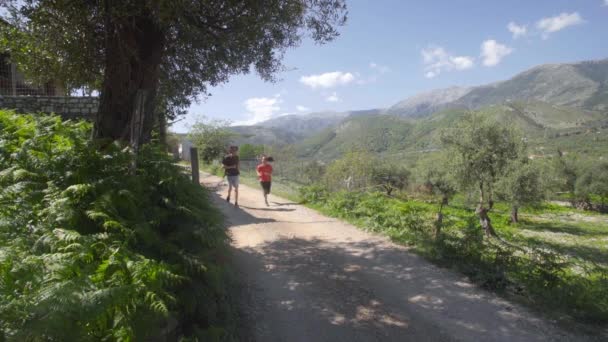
(312, 290)
(269, 209)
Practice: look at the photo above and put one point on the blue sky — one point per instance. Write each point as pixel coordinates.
(392, 49)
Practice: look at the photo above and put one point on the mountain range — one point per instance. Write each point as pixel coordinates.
(551, 99)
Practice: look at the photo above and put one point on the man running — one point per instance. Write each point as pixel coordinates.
(265, 175)
(231, 170)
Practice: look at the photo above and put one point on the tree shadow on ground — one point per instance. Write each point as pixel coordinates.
(236, 216)
(269, 209)
(285, 203)
(587, 253)
(322, 291)
(555, 227)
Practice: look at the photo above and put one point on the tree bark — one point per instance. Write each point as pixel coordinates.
(134, 47)
(514, 214)
(439, 221)
(482, 211)
(485, 222)
(444, 200)
(162, 130)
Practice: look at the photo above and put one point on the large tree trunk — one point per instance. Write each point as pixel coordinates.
(134, 47)
(162, 130)
(514, 214)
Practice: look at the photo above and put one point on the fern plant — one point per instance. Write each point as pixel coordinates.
(94, 250)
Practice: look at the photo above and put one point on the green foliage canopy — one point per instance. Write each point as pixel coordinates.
(211, 137)
(520, 186)
(173, 49)
(594, 182)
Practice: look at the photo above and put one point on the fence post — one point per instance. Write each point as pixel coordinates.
(13, 79)
(194, 164)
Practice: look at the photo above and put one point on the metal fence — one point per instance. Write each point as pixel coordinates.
(13, 83)
(299, 172)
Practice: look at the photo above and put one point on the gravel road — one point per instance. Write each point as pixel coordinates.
(307, 277)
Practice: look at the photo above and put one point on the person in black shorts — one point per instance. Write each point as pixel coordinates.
(231, 171)
(264, 171)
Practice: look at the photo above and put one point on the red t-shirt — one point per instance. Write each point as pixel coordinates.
(265, 172)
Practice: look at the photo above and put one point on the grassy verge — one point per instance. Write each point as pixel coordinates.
(561, 266)
(558, 267)
(97, 245)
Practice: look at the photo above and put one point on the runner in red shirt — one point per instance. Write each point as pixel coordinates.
(265, 176)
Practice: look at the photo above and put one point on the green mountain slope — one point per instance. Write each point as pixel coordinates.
(541, 123)
(564, 102)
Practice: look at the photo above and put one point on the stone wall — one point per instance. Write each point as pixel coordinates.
(67, 107)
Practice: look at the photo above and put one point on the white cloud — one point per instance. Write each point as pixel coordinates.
(328, 79)
(437, 60)
(518, 30)
(383, 69)
(559, 22)
(605, 2)
(493, 52)
(260, 109)
(333, 97)
(302, 108)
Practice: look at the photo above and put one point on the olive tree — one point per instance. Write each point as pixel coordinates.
(211, 138)
(143, 54)
(351, 172)
(520, 186)
(481, 151)
(594, 181)
(437, 177)
(390, 176)
(566, 172)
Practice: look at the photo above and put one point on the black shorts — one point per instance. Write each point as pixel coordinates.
(266, 187)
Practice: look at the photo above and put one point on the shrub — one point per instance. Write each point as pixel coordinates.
(95, 248)
(313, 194)
(217, 170)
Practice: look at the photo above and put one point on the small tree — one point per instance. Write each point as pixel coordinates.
(520, 186)
(437, 178)
(249, 151)
(313, 172)
(594, 181)
(351, 172)
(566, 173)
(390, 177)
(211, 138)
(482, 149)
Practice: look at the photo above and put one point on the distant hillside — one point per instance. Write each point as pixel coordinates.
(393, 135)
(288, 129)
(258, 135)
(428, 102)
(581, 85)
(553, 100)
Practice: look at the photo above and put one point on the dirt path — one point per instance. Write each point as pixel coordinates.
(311, 278)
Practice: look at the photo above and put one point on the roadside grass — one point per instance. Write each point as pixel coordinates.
(559, 265)
(554, 266)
